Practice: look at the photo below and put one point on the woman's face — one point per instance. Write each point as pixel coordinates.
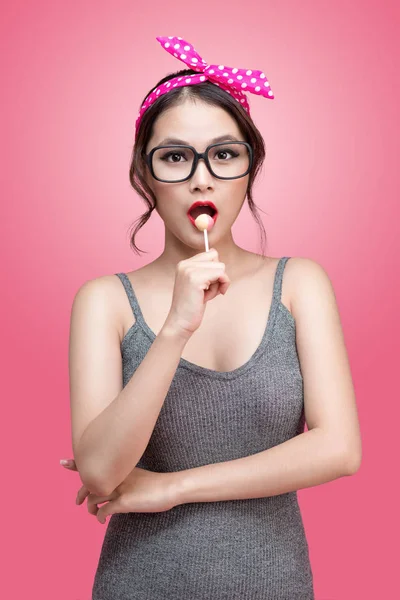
(196, 124)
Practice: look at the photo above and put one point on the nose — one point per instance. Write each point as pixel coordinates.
(202, 178)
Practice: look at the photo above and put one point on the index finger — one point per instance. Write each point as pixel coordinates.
(69, 464)
(83, 492)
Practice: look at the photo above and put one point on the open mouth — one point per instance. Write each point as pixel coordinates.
(200, 209)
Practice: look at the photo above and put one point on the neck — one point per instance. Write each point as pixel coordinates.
(236, 259)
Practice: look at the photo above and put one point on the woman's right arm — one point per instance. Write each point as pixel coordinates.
(112, 425)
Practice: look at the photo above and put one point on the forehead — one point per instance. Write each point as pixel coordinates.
(195, 122)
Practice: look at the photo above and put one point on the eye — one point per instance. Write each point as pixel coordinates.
(232, 153)
(175, 155)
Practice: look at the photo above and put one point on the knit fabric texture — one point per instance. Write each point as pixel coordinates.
(248, 549)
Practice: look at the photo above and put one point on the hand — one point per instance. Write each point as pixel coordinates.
(198, 280)
(141, 491)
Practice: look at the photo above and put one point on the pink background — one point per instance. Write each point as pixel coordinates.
(73, 76)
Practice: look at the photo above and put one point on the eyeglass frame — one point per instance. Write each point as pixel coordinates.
(197, 157)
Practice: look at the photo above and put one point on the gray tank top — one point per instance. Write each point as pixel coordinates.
(244, 549)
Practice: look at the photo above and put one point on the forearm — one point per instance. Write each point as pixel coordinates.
(308, 459)
(113, 443)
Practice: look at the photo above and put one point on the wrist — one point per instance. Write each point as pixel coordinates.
(178, 483)
(171, 331)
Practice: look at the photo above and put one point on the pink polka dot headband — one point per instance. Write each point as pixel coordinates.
(233, 81)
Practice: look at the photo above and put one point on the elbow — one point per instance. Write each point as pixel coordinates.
(92, 479)
(103, 489)
(353, 463)
(95, 486)
(352, 460)
(347, 454)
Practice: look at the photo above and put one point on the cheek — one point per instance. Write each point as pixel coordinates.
(167, 201)
(239, 187)
(239, 190)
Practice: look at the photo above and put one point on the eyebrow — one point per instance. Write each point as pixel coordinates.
(220, 138)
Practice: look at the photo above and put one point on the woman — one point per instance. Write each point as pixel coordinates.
(187, 423)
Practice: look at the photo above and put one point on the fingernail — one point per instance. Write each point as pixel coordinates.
(63, 461)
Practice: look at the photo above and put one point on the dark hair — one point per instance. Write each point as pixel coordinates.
(213, 95)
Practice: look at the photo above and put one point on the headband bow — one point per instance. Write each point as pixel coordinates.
(233, 81)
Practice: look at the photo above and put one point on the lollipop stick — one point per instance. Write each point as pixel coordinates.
(206, 240)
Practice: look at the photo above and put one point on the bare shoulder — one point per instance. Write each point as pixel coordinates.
(104, 298)
(100, 292)
(306, 280)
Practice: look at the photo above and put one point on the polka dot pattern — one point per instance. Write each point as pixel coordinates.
(238, 79)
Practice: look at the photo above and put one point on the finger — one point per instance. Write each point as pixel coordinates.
(212, 291)
(216, 284)
(224, 286)
(68, 464)
(94, 500)
(83, 492)
(108, 509)
(224, 282)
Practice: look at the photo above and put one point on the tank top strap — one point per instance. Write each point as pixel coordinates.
(126, 282)
(277, 293)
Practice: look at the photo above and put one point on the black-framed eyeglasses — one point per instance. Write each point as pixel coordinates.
(177, 162)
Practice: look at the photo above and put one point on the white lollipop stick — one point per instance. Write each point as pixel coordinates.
(206, 240)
